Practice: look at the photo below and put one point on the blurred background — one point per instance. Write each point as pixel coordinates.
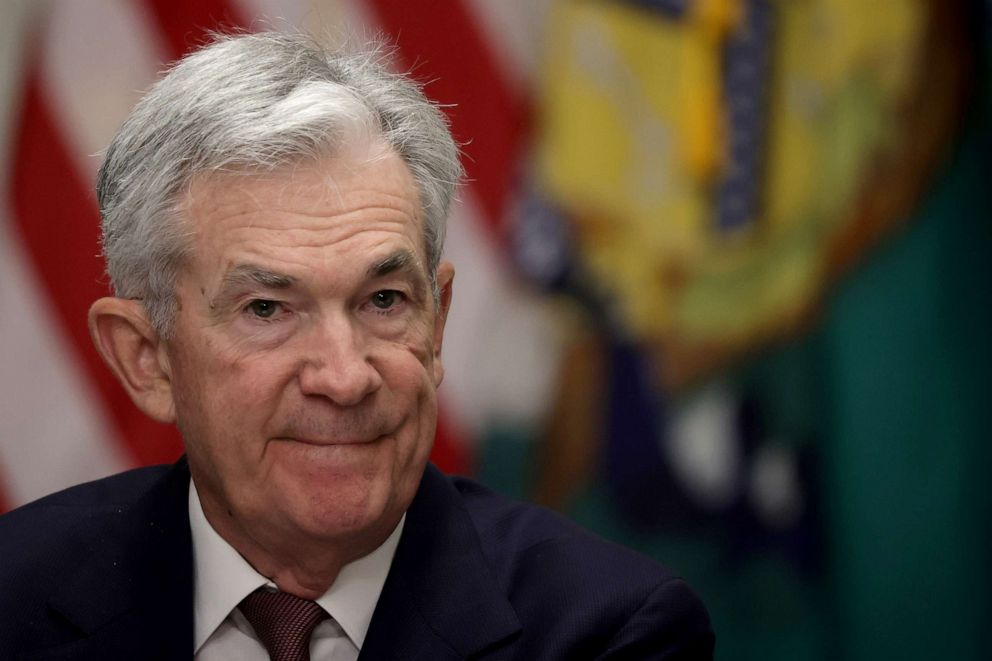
(722, 295)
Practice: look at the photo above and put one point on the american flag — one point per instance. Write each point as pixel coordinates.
(70, 70)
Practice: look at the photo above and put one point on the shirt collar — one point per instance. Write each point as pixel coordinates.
(222, 578)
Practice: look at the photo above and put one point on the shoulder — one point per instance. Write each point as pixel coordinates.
(43, 541)
(517, 536)
(72, 509)
(77, 559)
(570, 582)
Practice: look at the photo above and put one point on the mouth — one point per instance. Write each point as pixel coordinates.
(329, 442)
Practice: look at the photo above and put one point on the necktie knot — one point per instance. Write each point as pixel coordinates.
(283, 622)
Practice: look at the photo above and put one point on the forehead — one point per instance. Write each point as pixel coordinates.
(355, 199)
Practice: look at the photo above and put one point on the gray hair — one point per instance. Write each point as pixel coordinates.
(255, 102)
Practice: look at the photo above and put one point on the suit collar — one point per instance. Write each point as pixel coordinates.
(440, 600)
(134, 594)
(223, 578)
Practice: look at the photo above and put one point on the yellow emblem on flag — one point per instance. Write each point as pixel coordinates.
(633, 128)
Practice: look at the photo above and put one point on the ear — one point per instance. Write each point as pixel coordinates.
(445, 279)
(133, 350)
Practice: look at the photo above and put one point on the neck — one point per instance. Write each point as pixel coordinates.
(298, 564)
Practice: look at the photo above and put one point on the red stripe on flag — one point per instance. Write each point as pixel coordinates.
(185, 23)
(59, 224)
(450, 453)
(441, 43)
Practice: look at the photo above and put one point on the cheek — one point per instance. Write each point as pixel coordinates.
(220, 397)
(417, 345)
(409, 369)
(245, 396)
(422, 411)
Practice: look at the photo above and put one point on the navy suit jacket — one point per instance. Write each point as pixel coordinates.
(105, 571)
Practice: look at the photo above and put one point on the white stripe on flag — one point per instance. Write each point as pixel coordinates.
(99, 56)
(15, 18)
(350, 20)
(273, 14)
(501, 346)
(516, 29)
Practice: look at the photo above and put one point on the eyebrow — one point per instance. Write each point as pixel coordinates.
(250, 275)
(404, 262)
(401, 260)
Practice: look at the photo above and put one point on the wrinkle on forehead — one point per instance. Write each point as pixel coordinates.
(320, 190)
(349, 157)
(276, 220)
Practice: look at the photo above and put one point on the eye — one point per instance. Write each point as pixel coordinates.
(262, 308)
(386, 299)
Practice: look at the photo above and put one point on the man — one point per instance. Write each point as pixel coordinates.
(273, 222)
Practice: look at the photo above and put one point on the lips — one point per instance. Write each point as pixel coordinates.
(358, 427)
(329, 442)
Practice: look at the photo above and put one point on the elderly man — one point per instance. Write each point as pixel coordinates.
(273, 220)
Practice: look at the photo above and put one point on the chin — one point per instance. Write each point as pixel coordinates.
(336, 493)
(357, 525)
(348, 505)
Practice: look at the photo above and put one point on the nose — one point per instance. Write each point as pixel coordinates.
(337, 365)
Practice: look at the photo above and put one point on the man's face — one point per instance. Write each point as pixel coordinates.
(305, 359)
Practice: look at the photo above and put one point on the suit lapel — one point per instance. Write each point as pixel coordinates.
(133, 598)
(440, 600)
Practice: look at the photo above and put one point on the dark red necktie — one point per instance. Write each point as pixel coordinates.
(283, 622)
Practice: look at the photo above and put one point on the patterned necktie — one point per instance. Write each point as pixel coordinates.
(283, 622)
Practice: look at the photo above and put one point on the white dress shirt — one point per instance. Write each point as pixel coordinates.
(222, 578)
